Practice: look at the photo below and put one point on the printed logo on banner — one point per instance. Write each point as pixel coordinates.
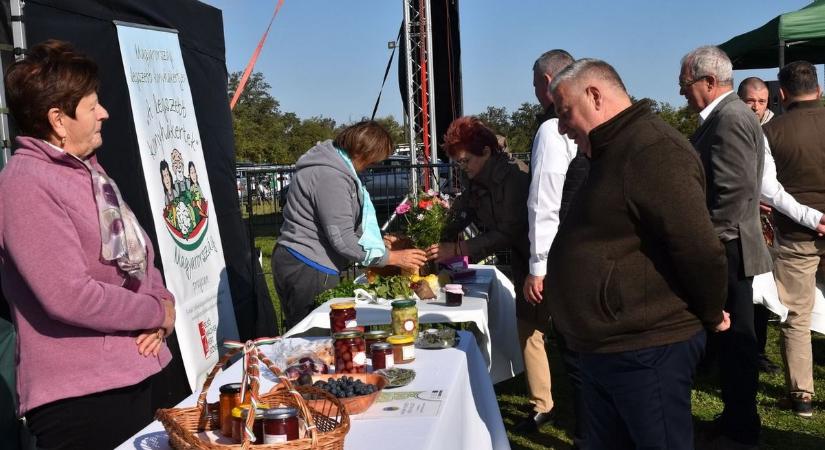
(185, 209)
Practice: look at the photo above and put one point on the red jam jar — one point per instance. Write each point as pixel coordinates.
(341, 316)
(280, 425)
(239, 416)
(350, 352)
(382, 356)
(454, 294)
(230, 398)
(371, 337)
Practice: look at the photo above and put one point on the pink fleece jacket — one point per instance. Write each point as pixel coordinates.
(76, 325)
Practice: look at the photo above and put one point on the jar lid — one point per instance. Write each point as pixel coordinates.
(280, 413)
(400, 339)
(259, 412)
(376, 334)
(347, 334)
(342, 305)
(231, 388)
(403, 303)
(381, 346)
(454, 287)
(240, 410)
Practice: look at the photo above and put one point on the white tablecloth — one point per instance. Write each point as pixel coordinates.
(469, 417)
(489, 303)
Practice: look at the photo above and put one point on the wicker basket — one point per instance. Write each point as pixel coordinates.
(327, 421)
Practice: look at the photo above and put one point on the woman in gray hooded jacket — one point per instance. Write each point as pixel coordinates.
(329, 220)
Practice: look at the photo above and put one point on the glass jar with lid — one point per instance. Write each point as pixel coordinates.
(230, 398)
(382, 356)
(350, 352)
(239, 415)
(404, 316)
(342, 316)
(280, 425)
(403, 348)
(373, 336)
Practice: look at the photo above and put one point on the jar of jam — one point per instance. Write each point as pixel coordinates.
(230, 398)
(239, 415)
(280, 425)
(403, 348)
(350, 352)
(371, 337)
(382, 356)
(341, 316)
(454, 294)
(404, 318)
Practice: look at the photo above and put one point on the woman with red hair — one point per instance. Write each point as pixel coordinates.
(494, 200)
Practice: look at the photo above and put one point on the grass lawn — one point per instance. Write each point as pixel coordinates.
(780, 429)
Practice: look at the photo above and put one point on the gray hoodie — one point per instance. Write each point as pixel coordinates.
(322, 217)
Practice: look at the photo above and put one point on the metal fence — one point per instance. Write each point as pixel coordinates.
(262, 192)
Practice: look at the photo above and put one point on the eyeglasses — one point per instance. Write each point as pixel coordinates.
(689, 83)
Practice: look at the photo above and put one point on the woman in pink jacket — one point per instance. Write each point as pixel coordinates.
(89, 307)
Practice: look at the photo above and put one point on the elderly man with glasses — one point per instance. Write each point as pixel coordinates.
(731, 146)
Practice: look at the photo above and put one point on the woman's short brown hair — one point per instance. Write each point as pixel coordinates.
(366, 141)
(52, 75)
(470, 133)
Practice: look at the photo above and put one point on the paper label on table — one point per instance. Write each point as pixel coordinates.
(405, 404)
(274, 438)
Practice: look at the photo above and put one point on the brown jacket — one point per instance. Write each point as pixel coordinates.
(495, 201)
(636, 262)
(797, 140)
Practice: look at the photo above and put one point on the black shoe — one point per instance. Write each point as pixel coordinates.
(800, 405)
(767, 366)
(534, 421)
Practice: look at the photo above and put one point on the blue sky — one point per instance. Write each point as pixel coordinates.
(327, 57)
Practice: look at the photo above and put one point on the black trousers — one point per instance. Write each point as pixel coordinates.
(102, 420)
(297, 285)
(640, 398)
(760, 327)
(738, 369)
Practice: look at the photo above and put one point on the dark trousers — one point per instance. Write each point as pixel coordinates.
(640, 399)
(571, 365)
(738, 367)
(297, 285)
(760, 327)
(102, 420)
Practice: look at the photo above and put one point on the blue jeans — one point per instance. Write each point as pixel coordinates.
(639, 399)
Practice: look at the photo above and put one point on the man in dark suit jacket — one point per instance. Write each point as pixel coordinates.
(731, 146)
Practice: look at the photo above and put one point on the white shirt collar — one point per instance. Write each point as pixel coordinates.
(53, 146)
(703, 115)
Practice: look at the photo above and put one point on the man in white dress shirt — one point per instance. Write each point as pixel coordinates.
(551, 155)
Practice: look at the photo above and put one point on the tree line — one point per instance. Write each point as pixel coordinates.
(266, 134)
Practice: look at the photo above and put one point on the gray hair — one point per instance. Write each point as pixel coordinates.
(589, 68)
(552, 62)
(709, 61)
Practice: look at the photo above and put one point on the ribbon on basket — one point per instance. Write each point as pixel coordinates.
(251, 375)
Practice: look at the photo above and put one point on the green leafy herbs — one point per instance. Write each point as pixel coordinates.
(383, 287)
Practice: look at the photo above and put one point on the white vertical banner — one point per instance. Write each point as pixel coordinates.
(179, 194)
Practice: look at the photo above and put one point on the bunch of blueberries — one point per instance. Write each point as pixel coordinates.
(345, 387)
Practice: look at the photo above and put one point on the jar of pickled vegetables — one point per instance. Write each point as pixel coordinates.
(341, 316)
(403, 348)
(404, 318)
(350, 352)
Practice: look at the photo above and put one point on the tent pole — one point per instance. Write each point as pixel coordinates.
(781, 65)
(18, 33)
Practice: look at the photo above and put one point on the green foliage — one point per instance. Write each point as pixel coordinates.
(518, 127)
(683, 119)
(383, 287)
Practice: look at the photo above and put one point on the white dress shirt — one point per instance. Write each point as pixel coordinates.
(703, 114)
(550, 158)
(775, 195)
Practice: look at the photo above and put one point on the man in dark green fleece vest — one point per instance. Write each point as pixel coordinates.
(636, 273)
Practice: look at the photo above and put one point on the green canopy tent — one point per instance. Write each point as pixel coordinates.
(793, 36)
